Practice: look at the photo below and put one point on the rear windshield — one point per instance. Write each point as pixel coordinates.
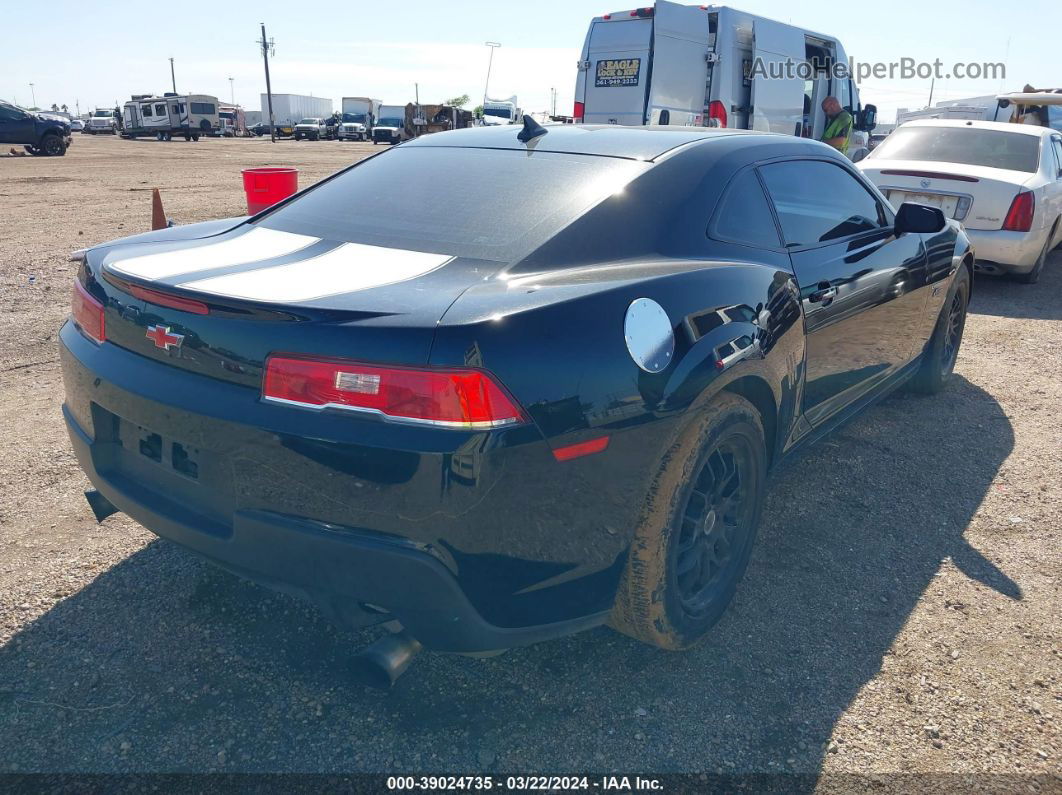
(494, 204)
(969, 146)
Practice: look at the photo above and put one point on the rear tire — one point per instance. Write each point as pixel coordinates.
(695, 536)
(938, 359)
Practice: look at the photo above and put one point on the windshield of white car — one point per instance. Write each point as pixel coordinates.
(390, 122)
(309, 121)
(970, 146)
(354, 118)
(468, 204)
(102, 113)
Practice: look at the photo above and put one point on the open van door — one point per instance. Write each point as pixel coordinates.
(778, 98)
(680, 71)
(616, 69)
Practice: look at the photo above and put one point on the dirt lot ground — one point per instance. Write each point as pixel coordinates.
(902, 612)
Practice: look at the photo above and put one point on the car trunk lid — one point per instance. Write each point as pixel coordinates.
(978, 196)
(219, 306)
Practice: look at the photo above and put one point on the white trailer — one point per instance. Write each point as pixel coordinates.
(358, 116)
(185, 115)
(290, 109)
(714, 66)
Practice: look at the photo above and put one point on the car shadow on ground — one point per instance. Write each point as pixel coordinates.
(166, 664)
(1005, 297)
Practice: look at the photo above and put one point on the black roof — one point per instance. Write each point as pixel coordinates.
(639, 143)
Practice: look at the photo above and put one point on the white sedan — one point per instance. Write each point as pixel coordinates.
(1002, 181)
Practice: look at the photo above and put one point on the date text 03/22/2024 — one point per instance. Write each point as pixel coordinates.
(532, 783)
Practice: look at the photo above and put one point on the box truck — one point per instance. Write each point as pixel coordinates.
(714, 66)
(358, 116)
(391, 126)
(500, 111)
(290, 109)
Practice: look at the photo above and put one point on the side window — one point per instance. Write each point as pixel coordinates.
(818, 201)
(744, 216)
(1057, 146)
(9, 113)
(146, 110)
(160, 110)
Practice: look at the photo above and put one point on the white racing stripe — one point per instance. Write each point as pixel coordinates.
(257, 244)
(350, 267)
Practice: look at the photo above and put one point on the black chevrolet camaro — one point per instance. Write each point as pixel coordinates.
(499, 385)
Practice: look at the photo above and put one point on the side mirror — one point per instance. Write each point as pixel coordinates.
(868, 118)
(919, 219)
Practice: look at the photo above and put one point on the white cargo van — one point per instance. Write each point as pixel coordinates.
(714, 66)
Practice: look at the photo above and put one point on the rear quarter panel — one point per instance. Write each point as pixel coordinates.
(558, 345)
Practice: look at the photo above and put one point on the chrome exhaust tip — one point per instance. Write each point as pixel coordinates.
(100, 505)
(380, 664)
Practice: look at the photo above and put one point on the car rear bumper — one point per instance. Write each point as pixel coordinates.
(446, 544)
(999, 251)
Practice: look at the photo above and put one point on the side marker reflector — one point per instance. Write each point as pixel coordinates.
(581, 449)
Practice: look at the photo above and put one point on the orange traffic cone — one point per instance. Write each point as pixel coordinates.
(158, 216)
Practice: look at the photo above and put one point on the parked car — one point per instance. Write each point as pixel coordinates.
(39, 134)
(312, 129)
(77, 125)
(1002, 181)
(517, 415)
(875, 139)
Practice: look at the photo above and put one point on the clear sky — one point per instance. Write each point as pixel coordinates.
(101, 51)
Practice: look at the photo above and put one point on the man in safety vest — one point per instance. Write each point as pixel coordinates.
(838, 125)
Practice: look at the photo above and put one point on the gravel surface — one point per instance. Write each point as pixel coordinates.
(901, 612)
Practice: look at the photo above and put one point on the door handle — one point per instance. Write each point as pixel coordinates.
(823, 295)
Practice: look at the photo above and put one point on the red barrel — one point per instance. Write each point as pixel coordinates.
(266, 186)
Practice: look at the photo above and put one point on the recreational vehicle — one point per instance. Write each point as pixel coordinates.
(714, 66)
(184, 115)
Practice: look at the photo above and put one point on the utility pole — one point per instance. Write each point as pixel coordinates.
(490, 62)
(232, 90)
(932, 83)
(173, 77)
(33, 94)
(553, 97)
(267, 46)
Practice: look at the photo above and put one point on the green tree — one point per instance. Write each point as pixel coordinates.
(458, 102)
(478, 111)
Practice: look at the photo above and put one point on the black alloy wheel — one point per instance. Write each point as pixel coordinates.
(715, 526)
(51, 145)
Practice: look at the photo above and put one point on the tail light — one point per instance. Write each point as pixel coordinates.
(88, 313)
(579, 111)
(459, 398)
(1020, 215)
(716, 114)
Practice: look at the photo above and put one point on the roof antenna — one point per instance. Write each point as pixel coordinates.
(532, 129)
